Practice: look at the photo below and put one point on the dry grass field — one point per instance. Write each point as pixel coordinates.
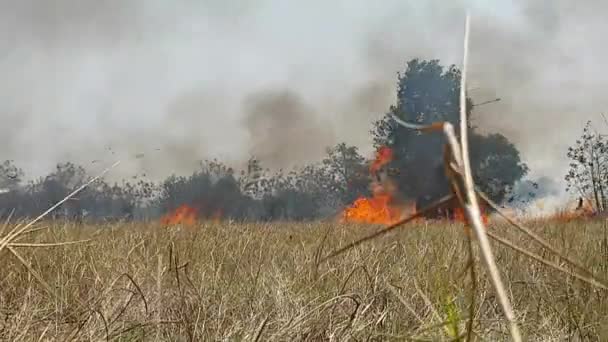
(247, 282)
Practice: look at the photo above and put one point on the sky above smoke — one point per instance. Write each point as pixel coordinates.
(163, 84)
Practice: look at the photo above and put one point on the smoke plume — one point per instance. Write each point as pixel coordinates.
(162, 85)
(283, 129)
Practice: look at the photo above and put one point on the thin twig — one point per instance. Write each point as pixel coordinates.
(588, 274)
(531, 255)
(260, 329)
(530, 233)
(20, 229)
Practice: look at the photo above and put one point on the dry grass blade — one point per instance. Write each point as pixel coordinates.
(294, 323)
(319, 250)
(8, 219)
(33, 272)
(473, 288)
(25, 244)
(530, 233)
(471, 207)
(20, 229)
(531, 255)
(260, 329)
(442, 201)
(32, 230)
(588, 274)
(409, 308)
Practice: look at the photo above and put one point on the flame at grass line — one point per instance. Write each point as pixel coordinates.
(381, 207)
(188, 216)
(460, 216)
(184, 215)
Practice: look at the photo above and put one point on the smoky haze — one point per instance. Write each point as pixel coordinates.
(161, 85)
(283, 129)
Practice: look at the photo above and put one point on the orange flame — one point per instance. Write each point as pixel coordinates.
(217, 215)
(583, 211)
(380, 208)
(375, 210)
(384, 155)
(184, 215)
(460, 216)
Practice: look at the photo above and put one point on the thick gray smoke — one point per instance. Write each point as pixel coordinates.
(161, 85)
(284, 130)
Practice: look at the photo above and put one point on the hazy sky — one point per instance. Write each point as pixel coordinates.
(185, 80)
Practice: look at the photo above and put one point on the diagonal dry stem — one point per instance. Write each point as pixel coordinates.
(530, 233)
(593, 280)
(18, 230)
(8, 219)
(588, 280)
(25, 244)
(471, 207)
(260, 330)
(33, 272)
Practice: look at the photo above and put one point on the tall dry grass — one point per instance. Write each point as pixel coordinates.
(141, 282)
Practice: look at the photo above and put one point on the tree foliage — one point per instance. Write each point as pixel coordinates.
(427, 93)
(588, 172)
(214, 190)
(10, 175)
(346, 173)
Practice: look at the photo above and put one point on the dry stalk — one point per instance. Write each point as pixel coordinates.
(539, 240)
(18, 229)
(473, 288)
(260, 330)
(159, 293)
(471, 207)
(588, 277)
(8, 241)
(507, 243)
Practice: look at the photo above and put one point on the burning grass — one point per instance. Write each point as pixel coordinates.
(225, 281)
(381, 207)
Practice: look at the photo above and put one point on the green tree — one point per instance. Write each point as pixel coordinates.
(346, 173)
(427, 92)
(588, 173)
(10, 175)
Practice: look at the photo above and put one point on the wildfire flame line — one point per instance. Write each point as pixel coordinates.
(381, 207)
(184, 215)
